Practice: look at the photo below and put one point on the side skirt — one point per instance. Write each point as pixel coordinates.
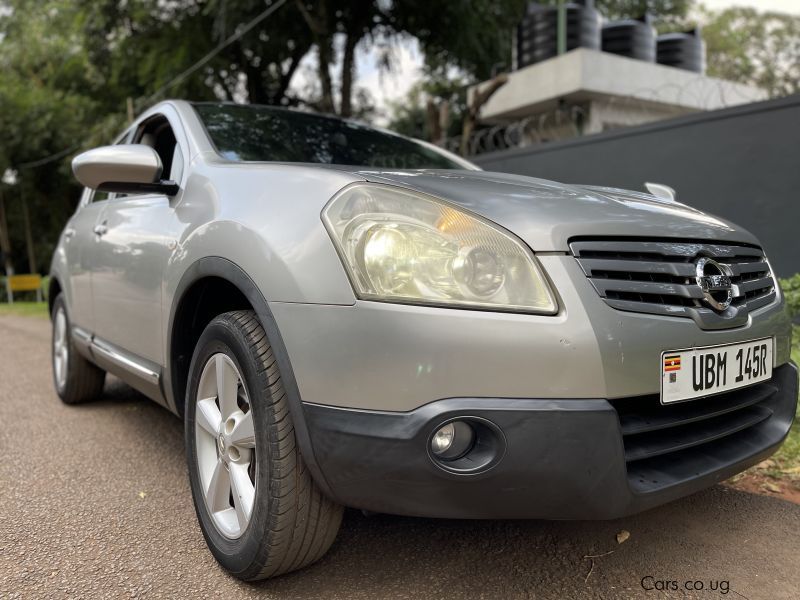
(140, 374)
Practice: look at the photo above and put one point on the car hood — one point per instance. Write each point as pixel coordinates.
(547, 214)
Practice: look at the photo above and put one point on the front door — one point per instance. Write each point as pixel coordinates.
(136, 235)
(133, 247)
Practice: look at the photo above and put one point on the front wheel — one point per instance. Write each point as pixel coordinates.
(258, 507)
(75, 378)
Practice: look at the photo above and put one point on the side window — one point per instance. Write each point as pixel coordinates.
(157, 133)
(99, 196)
(176, 172)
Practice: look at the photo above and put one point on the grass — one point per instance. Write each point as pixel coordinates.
(788, 457)
(780, 473)
(25, 309)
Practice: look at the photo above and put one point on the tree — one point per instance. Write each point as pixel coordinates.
(410, 115)
(463, 43)
(755, 48)
(665, 12)
(138, 46)
(44, 110)
(473, 36)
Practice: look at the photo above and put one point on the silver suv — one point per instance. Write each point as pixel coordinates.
(346, 317)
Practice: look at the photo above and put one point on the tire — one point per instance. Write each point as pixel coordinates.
(291, 524)
(76, 379)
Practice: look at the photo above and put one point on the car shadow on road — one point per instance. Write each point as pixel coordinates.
(717, 535)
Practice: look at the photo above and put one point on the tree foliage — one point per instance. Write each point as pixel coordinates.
(756, 48)
(663, 11)
(44, 109)
(68, 68)
(472, 35)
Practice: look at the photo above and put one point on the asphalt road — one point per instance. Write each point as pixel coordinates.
(94, 502)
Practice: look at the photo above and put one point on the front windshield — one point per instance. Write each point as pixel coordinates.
(263, 133)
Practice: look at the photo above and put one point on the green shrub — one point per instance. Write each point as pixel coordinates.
(791, 290)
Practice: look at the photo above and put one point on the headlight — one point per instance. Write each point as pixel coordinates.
(403, 246)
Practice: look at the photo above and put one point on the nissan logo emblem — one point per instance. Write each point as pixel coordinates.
(714, 280)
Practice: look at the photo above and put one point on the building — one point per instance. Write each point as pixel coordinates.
(588, 91)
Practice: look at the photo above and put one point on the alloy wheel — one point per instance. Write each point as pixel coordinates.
(60, 348)
(225, 444)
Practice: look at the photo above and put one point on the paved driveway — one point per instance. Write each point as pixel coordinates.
(94, 502)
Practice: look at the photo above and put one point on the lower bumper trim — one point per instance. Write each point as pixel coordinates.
(564, 459)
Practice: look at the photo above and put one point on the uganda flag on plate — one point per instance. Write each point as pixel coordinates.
(672, 362)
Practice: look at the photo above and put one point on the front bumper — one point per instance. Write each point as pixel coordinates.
(377, 379)
(393, 357)
(561, 459)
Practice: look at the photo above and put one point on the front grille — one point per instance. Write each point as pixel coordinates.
(663, 441)
(659, 277)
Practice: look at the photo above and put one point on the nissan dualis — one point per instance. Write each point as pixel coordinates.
(347, 317)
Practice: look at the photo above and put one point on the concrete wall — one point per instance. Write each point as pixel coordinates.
(740, 163)
(583, 74)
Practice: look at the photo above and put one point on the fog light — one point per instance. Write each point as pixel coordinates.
(443, 439)
(453, 440)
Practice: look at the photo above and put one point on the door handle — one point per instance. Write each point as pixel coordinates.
(68, 233)
(100, 230)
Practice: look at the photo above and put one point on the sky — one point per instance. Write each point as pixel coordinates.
(387, 88)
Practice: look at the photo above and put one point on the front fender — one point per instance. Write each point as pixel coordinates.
(225, 269)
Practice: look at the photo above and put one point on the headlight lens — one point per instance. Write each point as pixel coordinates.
(404, 246)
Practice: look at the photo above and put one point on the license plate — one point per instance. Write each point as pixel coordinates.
(699, 372)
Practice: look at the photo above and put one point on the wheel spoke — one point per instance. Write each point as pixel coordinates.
(243, 492)
(219, 487)
(60, 347)
(208, 416)
(227, 386)
(225, 445)
(243, 434)
(61, 328)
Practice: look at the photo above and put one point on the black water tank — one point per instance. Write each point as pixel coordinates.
(634, 38)
(537, 35)
(682, 50)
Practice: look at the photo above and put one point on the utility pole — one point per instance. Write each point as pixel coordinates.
(28, 233)
(5, 242)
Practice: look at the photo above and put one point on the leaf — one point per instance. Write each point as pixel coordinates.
(623, 536)
(142, 495)
(771, 487)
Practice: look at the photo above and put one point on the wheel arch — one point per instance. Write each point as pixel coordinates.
(53, 290)
(183, 318)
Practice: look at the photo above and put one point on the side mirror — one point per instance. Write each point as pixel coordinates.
(659, 190)
(125, 168)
